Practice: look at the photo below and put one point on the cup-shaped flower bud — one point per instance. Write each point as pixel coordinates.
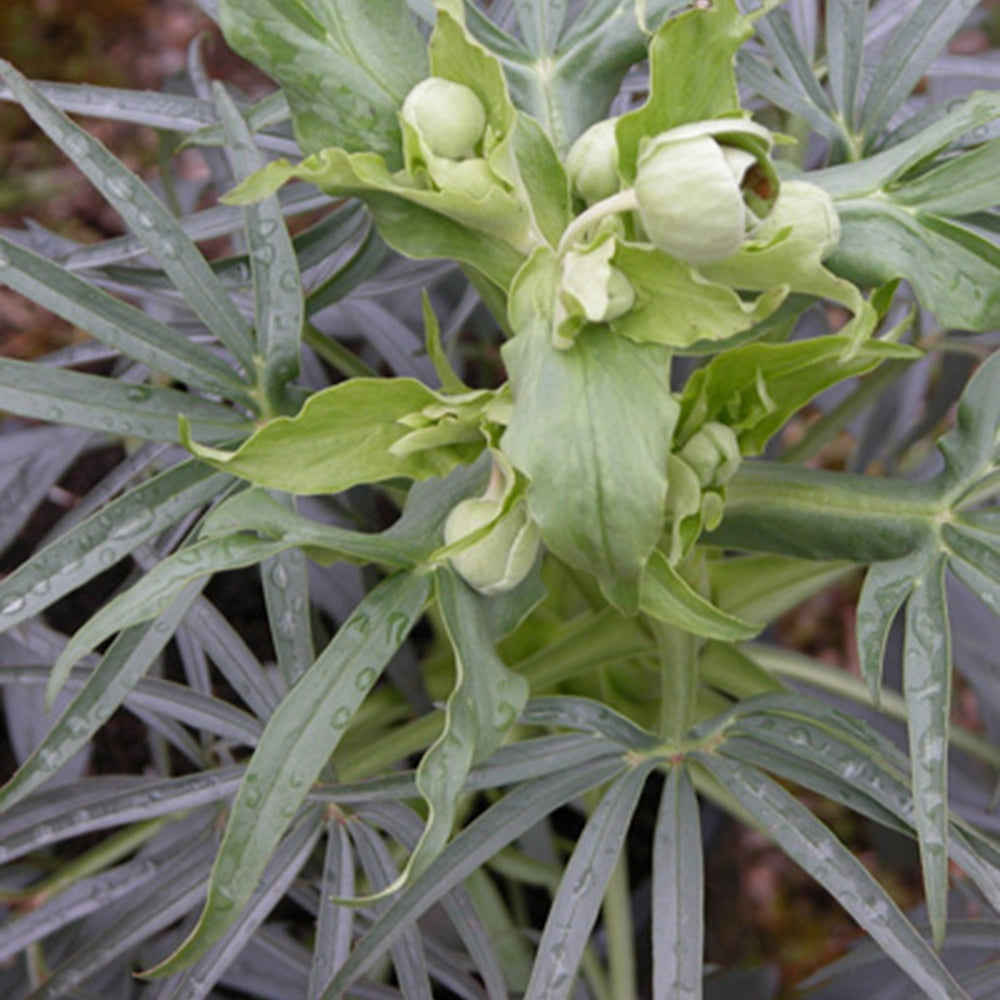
(712, 453)
(503, 557)
(472, 178)
(447, 116)
(592, 162)
(703, 188)
(809, 211)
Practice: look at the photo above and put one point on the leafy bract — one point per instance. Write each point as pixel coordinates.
(358, 431)
(754, 389)
(692, 76)
(344, 67)
(597, 476)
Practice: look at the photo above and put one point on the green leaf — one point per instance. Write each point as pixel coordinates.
(678, 892)
(763, 587)
(345, 66)
(156, 591)
(845, 46)
(343, 436)
(692, 76)
(975, 560)
(505, 821)
(144, 213)
(89, 548)
(597, 476)
(954, 271)
(927, 688)
(669, 598)
(756, 388)
(294, 748)
(277, 284)
(961, 186)
(484, 703)
(121, 326)
(574, 910)
(107, 686)
(677, 307)
(922, 34)
(817, 850)
(887, 586)
(111, 406)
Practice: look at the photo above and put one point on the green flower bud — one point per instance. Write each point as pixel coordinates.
(712, 453)
(593, 287)
(702, 188)
(809, 211)
(592, 162)
(447, 116)
(500, 560)
(471, 177)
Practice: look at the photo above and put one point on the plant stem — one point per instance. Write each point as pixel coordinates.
(623, 201)
(677, 651)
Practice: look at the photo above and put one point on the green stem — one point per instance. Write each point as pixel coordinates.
(677, 652)
(815, 514)
(345, 361)
(623, 201)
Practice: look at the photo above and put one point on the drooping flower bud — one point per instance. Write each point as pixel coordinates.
(447, 116)
(595, 289)
(500, 560)
(703, 188)
(592, 162)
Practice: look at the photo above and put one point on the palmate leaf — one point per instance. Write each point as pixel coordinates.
(498, 826)
(295, 747)
(581, 888)
(816, 848)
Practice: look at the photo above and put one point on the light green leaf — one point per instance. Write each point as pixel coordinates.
(678, 307)
(345, 66)
(669, 598)
(754, 389)
(597, 476)
(692, 76)
(975, 560)
(960, 186)
(113, 407)
(678, 892)
(816, 848)
(295, 747)
(575, 907)
(343, 436)
(845, 42)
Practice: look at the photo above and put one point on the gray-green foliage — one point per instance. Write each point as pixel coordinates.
(421, 693)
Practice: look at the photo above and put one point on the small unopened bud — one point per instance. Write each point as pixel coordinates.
(447, 116)
(592, 162)
(712, 453)
(500, 560)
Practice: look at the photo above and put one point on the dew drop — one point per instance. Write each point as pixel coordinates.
(133, 525)
(107, 557)
(224, 899)
(41, 588)
(121, 187)
(13, 606)
(76, 145)
(340, 718)
(138, 393)
(145, 220)
(50, 759)
(365, 679)
(55, 413)
(297, 780)
(252, 798)
(279, 576)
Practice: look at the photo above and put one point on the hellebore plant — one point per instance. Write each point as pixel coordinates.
(581, 542)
